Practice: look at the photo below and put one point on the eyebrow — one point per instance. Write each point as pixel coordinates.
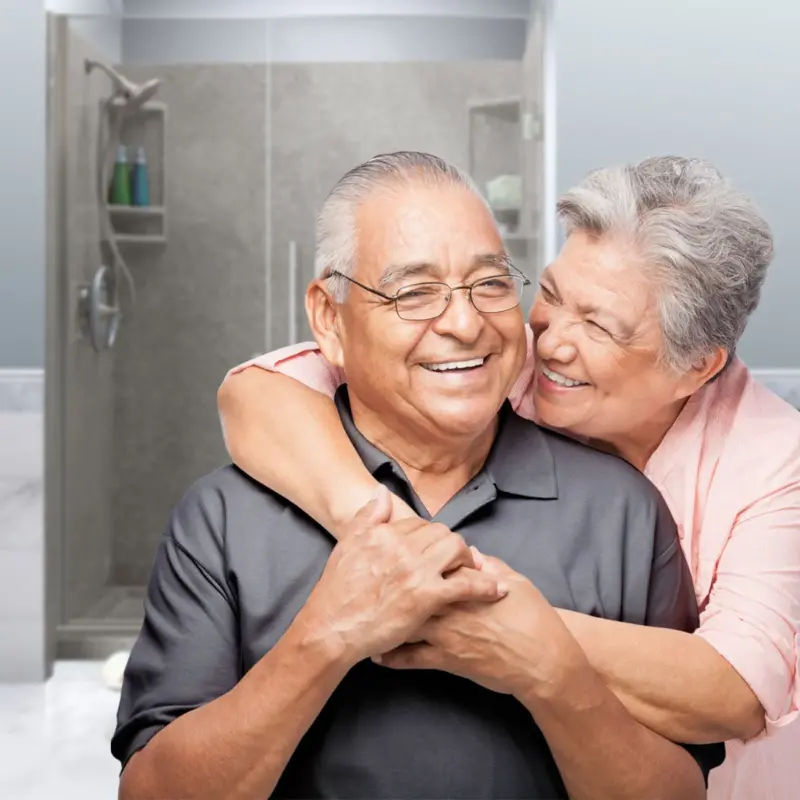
(546, 276)
(399, 272)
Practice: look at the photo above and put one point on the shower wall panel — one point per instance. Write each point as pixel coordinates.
(326, 118)
(201, 301)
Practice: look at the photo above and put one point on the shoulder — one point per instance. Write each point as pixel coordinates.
(601, 474)
(757, 422)
(203, 515)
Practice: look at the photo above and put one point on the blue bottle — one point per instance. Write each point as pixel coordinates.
(140, 185)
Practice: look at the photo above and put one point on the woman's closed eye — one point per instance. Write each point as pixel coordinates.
(598, 327)
(547, 294)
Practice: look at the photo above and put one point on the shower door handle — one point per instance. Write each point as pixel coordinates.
(294, 334)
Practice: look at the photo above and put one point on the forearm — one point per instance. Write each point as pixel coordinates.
(602, 752)
(673, 682)
(291, 439)
(237, 746)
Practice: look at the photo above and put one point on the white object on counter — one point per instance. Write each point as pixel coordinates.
(114, 669)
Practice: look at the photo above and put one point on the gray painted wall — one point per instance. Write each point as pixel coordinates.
(22, 184)
(706, 78)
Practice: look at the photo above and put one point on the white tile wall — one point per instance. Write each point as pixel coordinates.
(784, 382)
(22, 574)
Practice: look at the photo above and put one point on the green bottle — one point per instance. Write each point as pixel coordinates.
(121, 180)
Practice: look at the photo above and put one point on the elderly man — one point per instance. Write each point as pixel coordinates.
(391, 665)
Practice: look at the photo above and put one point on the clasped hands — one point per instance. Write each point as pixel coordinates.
(413, 595)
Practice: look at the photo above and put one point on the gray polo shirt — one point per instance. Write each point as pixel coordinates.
(237, 562)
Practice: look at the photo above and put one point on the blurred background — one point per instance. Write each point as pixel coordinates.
(162, 162)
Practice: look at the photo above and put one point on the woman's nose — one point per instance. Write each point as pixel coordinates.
(553, 341)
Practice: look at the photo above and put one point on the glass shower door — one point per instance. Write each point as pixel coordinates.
(466, 90)
(260, 117)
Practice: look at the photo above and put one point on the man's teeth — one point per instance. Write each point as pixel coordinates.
(473, 362)
(560, 379)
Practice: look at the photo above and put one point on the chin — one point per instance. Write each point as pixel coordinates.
(559, 420)
(463, 418)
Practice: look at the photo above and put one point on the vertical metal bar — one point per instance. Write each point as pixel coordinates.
(293, 268)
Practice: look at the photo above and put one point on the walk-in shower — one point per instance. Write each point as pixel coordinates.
(246, 124)
(100, 298)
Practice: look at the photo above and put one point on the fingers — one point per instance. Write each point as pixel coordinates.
(411, 656)
(494, 566)
(378, 511)
(477, 557)
(469, 585)
(449, 553)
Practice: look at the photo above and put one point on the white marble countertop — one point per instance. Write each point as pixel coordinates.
(55, 737)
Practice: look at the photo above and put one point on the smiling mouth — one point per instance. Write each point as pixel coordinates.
(466, 365)
(562, 380)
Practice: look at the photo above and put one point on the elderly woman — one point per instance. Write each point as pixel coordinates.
(632, 347)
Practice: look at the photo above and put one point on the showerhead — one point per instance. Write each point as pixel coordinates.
(134, 95)
(145, 93)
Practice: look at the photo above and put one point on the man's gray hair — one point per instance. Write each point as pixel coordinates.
(336, 234)
(704, 244)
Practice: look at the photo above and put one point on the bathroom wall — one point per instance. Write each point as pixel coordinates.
(89, 448)
(22, 209)
(23, 56)
(706, 79)
(22, 590)
(201, 301)
(326, 118)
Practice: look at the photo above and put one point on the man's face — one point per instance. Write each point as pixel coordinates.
(407, 236)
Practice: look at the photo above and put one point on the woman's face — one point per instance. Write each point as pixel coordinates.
(598, 341)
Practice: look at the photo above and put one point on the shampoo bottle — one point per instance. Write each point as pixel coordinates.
(140, 185)
(120, 182)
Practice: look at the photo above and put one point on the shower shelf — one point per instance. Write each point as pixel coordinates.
(135, 211)
(140, 238)
(144, 225)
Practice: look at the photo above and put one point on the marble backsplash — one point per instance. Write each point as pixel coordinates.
(21, 424)
(22, 625)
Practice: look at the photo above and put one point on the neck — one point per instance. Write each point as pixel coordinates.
(436, 466)
(638, 445)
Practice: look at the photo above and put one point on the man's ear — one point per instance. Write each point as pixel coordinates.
(325, 321)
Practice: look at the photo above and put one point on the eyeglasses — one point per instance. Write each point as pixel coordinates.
(422, 301)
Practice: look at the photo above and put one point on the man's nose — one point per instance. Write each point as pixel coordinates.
(460, 319)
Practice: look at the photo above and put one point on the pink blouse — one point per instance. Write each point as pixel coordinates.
(729, 469)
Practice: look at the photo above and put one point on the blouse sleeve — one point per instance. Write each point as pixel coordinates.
(304, 362)
(752, 617)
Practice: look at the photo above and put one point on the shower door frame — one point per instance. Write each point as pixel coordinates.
(56, 327)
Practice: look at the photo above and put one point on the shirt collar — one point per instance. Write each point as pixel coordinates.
(520, 462)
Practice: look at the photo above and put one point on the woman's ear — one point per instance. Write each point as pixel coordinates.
(704, 370)
(710, 366)
(325, 321)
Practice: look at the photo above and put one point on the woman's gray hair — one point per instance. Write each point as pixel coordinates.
(704, 244)
(336, 234)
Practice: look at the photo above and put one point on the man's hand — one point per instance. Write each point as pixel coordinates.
(385, 579)
(516, 646)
